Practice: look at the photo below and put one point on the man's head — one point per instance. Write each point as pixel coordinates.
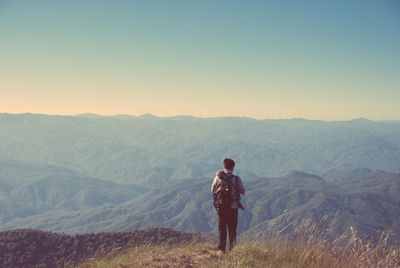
(229, 164)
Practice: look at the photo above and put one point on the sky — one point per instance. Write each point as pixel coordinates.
(326, 60)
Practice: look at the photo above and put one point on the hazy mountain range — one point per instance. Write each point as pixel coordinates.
(371, 203)
(94, 173)
(151, 151)
(30, 189)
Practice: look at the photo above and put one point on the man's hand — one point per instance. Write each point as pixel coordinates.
(241, 190)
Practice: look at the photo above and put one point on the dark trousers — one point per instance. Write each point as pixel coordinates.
(227, 220)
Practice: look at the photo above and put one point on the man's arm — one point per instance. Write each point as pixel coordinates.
(240, 186)
(213, 184)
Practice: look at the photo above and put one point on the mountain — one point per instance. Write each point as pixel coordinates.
(30, 189)
(336, 175)
(370, 203)
(152, 151)
(89, 172)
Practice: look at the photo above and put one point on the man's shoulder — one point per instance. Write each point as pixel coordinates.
(216, 180)
(236, 176)
(239, 180)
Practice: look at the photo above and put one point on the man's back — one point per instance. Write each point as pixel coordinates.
(236, 182)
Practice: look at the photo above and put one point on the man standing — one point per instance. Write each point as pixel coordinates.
(226, 189)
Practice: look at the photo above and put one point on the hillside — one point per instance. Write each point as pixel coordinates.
(204, 255)
(371, 203)
(152, 151)
(163, 247)
(32, 248)
(271, 254)
(31, 189)
(91, 173)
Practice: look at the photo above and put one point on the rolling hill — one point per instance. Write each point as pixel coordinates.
(153, 151)
(30, 189)
(90, 173)
(370, 203)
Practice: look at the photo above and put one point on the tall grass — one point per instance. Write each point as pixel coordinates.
(306, 245)
(249, 254)
(350, 249)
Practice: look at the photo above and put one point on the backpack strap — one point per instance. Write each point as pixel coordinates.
(238, 194)
(236, 189)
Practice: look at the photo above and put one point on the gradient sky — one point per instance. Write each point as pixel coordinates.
(329, 60)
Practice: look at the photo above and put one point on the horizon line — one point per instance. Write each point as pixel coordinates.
(196, 117)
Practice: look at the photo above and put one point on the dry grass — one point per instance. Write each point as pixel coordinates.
(315, 238)
(248, 254)
(183, 255)
(306, 246)
(205, 255)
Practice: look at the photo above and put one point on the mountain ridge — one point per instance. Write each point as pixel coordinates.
(184, 116)
(271, 204)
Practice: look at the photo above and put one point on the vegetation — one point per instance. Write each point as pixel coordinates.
(80, 174)
(368, 200)
(272, 253)
(152, 151)
(307, 245)
(205, 255)
(33, 248)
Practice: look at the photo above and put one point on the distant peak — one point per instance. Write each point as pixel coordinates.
(183, 117)
(148, 116)
(89, 115)
(299, 119)
(361, 119)
(123, 116)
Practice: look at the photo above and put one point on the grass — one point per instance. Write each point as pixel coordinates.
(205, 255)
(307, 245)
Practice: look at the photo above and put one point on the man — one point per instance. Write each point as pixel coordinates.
(227, 214)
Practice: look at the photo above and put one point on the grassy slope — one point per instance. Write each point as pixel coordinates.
(307, 246)
(34, 248)
(205, 255)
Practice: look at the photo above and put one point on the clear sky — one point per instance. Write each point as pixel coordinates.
(329, 60)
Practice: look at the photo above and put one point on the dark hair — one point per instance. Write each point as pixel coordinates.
(229, 163)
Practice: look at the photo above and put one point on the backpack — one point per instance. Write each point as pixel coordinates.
(224, 196)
